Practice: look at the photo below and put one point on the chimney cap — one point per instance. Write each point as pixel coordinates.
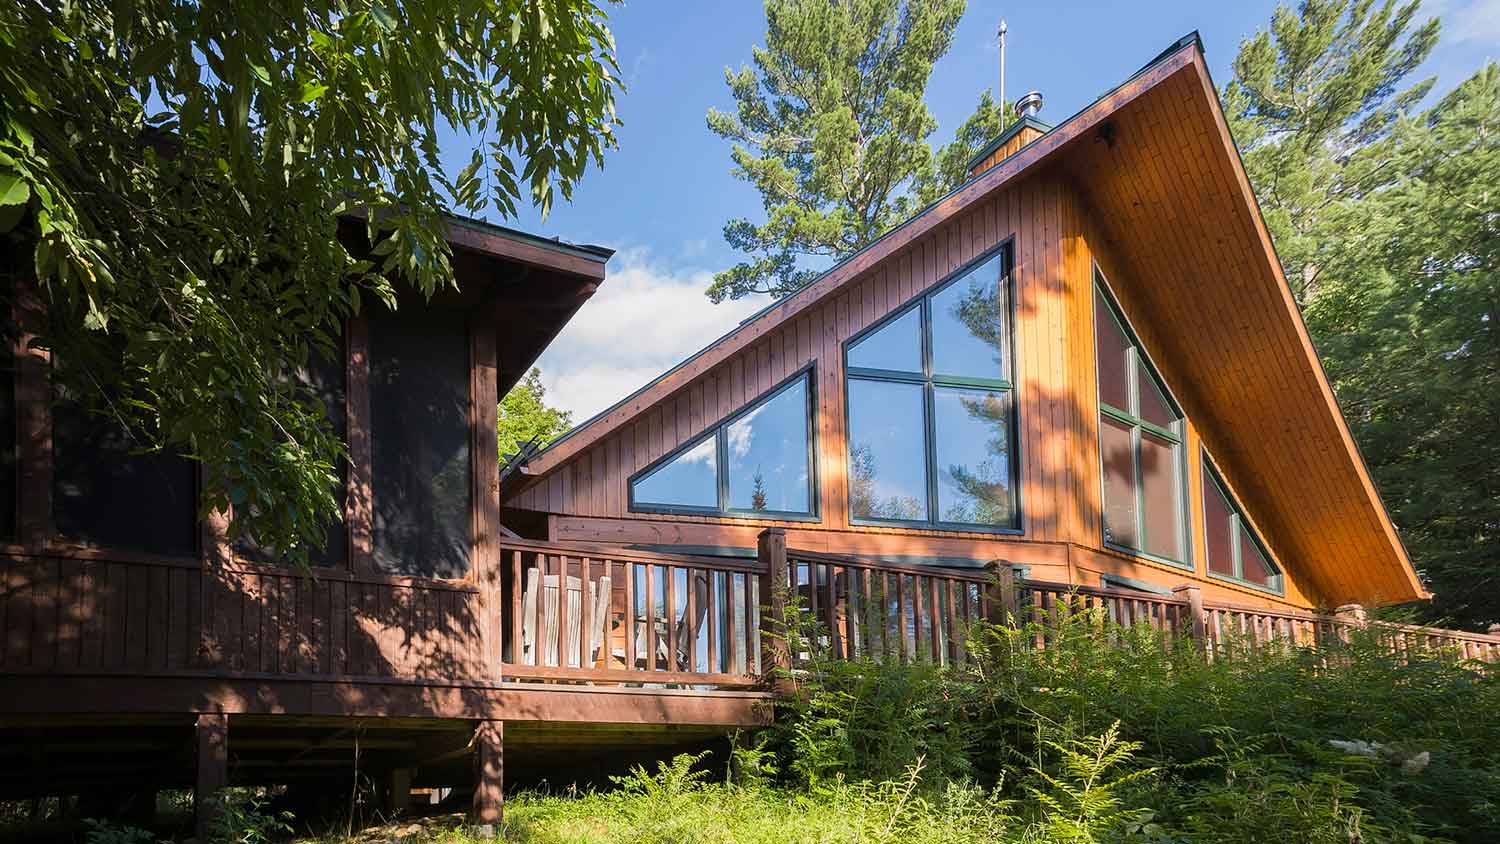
(1029, 104)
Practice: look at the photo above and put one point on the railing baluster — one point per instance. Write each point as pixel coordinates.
(714, 606)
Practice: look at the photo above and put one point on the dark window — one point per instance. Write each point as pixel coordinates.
(8, 478)
(1140, 443)
(758, 461)
(1234, 552)
(107, 492)
(326, 377)
(421, 465)
(931, 415)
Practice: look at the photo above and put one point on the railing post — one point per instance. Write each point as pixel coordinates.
(1194, 596)
(1353, 614)
(770, 551)
(1004, 597)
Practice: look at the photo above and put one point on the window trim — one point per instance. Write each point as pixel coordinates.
(717, 431)
(930, 381)
(1239, 522)
(1138, 356)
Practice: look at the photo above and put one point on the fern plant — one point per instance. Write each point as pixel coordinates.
(1082, 803)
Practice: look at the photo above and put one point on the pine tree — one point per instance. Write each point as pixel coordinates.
(831, 128)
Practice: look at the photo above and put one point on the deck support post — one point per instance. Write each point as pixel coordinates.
(213, 770)
(489, 772)
(1005, 597)
(1353, 613)
(398, 791)
(770, 552)
(1194, 595)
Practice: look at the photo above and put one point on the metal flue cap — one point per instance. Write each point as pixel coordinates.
(1029, 104)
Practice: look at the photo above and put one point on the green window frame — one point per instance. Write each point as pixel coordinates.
(1137, 372)
(932, 383)
(1238, 533)
(719, 435)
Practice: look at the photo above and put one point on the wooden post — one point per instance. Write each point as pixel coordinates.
(359, 513)
(213, 770)
(770, 551)
(398, 791)
(1194, 595)
(486, 503)
(1005, 596)
(489, 772)
(1353, 613)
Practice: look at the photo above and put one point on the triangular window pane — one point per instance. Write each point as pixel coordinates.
(768, 454)
(1219, 521)
(1257, 569)
(1114, 355)
(688, 480)
(1154, 405)
(968, 325)
(896, 346)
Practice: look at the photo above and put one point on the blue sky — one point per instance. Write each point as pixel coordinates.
(662, 197)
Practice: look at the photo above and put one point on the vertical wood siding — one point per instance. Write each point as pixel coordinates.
(1055, 239)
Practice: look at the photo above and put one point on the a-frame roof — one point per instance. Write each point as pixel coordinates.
(1154, 161)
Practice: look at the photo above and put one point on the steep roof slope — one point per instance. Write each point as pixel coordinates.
(1154, 163)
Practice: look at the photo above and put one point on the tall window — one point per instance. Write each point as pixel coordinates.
(757, 463)
(326, 378)
(1234, 551)
(1140, 443)
(931, 410)
(8, 479)
(420, 466)
(108, 492)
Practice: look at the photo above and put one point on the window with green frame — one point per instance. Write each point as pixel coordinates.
(758, 462)
(931, 408)
(1140, 443)
(1234, 551)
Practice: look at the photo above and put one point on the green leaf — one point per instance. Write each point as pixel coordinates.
(311, 91)
(13, 189)
(383, 18)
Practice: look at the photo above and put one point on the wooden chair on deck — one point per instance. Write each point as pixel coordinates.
(547, 586)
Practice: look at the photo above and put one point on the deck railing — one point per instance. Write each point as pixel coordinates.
(621, 616)
(585, 614)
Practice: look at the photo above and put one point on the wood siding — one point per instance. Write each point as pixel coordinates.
(1055, 244)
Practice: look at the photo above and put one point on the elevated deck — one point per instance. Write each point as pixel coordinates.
(150, 673)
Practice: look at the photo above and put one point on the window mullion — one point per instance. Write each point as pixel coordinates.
(721, 459)
(1140, 488)
(1237, 565)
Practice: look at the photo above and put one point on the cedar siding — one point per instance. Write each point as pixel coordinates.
(1144, 188)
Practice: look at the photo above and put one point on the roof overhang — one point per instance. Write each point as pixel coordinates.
(1269, 427)
(526, 287)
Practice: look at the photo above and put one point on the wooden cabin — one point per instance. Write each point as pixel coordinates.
(1080, 372)
(1085, 363)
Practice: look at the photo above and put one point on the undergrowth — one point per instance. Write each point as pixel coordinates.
(1106, 734)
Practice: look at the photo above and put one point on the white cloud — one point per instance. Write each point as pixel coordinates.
(646, 318)
(1467, 20)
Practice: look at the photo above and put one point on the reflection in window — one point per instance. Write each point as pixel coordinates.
(757, 462)
(887, 472)
(1140, 443)
(691, 479)
(1233, 549)
(973, 456)
(897, 346)
(768, 455)
(931, 427)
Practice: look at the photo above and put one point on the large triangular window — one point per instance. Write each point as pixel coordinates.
(1234, 551)
(931, 410)
(1140, 443)
(757, 462)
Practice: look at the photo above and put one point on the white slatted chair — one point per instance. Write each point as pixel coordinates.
(546, 587)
